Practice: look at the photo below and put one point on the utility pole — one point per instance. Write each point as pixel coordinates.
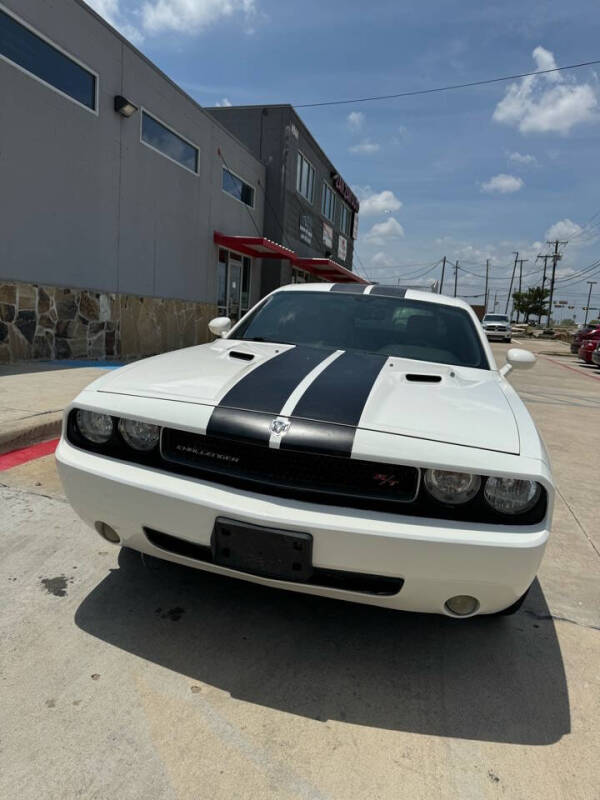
(587, 308)
(455, 277)
(512, 277)
(521, 261)
(443, 270)
(487, 272)
(495, 300)
(545, 257)
(556, 256)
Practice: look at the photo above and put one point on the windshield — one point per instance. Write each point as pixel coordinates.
(495, 318)
(387, 325)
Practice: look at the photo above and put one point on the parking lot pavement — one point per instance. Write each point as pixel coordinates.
(128, 678)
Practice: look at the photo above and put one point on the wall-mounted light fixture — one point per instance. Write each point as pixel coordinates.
(123, 106)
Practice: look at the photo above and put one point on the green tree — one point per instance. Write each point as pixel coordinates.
(532, 301)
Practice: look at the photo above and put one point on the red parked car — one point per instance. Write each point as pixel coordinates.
(580, 335)
(588, 344)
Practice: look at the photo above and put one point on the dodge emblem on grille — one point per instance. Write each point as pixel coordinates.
(279, 426)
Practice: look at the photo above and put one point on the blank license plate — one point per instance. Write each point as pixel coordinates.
(270, 552)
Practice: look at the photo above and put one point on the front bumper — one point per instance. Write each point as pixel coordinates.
(436, 559)
(498, 336)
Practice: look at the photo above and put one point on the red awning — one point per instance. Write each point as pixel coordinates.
(256, 246)
(260, 247)
(328, 270)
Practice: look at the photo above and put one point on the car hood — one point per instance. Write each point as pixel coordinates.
(407, 397)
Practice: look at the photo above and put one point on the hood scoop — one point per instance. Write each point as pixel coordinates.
(422, 377)
(241, 354)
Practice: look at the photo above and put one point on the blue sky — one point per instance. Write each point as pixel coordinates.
(470, 174)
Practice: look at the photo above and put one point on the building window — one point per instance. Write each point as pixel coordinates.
(237, 188)
(305, 178)
(233, 284)
(37, 56)
(328, 202)
(345, 216)
(168, 143)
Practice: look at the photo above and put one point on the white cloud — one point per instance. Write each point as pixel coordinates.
(224, 102)
(547, 103)
(111, 11)
(503, 184)
(190, 16)
(522, 158)
(355, 120)
(154, 17)
(380, 259)
(372, 203)
(366, 146)
(563, 230)
(382, 232)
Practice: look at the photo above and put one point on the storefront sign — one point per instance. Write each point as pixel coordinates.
(327, 235)
(342, 247)
(306, 228)
(355, 226)
(342, 187)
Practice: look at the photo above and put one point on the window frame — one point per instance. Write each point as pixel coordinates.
(300, 155)
(328, 188)
(243, 180)
(345, 231)
(246, 264)
(144, 110)
(95, 111)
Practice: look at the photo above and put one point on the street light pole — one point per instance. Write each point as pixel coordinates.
(587, 307)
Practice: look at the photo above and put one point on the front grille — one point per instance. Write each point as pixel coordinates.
(362, 583)
(332, 477)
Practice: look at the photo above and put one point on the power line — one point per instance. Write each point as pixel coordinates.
(448, 88)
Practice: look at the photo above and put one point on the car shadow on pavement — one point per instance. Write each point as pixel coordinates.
(489, 679)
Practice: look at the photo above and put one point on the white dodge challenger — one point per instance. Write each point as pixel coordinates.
(351, 441)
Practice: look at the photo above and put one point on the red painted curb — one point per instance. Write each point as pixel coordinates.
(573, 369)
(16, 457)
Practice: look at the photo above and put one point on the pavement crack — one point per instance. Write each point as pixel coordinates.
(576, 518)
(556, 618)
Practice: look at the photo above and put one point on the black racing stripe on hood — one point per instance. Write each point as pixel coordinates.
(307, 436)
(242, 426)
(349, 288)
(340, 392)
(387, 291)
(268, 386)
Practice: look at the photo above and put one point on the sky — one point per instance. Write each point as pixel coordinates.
(470, 174)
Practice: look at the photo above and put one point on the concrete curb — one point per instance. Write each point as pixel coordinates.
(31, 431)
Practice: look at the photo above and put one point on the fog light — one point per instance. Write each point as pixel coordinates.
(462, 605)
(107, 532)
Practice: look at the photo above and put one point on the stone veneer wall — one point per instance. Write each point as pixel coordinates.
(48, 322)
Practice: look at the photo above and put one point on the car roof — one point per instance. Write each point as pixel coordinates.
(410, 294)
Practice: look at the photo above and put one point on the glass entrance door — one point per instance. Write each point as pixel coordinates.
(233, 284)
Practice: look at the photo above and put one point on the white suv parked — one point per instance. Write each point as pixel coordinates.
(497, 327)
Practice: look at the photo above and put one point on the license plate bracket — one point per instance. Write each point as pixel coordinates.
(269, 552)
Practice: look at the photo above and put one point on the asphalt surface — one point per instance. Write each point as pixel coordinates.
(123, 678)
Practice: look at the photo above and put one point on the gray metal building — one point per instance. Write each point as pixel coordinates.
(130, 215)
(309, 207)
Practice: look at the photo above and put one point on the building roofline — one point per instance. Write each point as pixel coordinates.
(163, 75)
(291, 108)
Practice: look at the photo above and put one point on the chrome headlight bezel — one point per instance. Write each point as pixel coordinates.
(141, 436)
(495, 487)
(94, 426)
(433, 478)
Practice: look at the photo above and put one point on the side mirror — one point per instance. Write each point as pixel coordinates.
(518, 359)
(220, 326)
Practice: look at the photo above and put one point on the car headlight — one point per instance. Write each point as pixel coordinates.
(511, 495)
(139, 435)
(451, 487)
(96, 428)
